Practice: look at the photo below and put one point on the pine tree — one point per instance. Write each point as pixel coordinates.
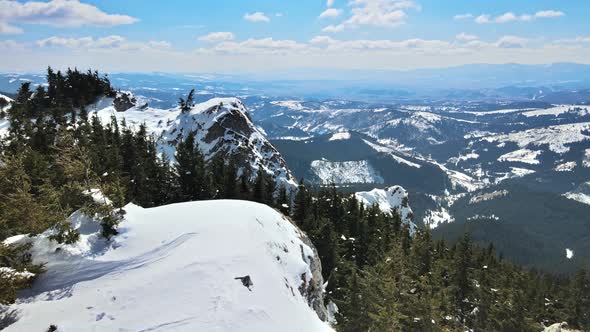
(301, 203)
(283, 200)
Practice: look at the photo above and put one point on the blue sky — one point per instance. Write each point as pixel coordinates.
(271, 35)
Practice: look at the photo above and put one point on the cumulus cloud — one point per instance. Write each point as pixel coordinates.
(321, 51)
(465, 37)
(108, 42)
(331, 12)
(333, 28)
(512, 17)
(511, 42)
(60, 13)
(215, 37)
(257, 46)
(7, 29)
(482, 19)
(377, 13)
(329, 3)
(256, 17)
(549, 13)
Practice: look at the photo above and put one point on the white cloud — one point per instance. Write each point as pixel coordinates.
(272, 55)
(508, 17)
(256, 17)
(257, 47)
(215, 37)
(511, 42)
(333, 28)
(7, 29)
(329, 3)
(463, 16)
(549, 14)
(377, 13)
(511, 17)
(108, 42)
(321, 40)
(331, 12)
(61, 13)
(465, 37)
(482, 19)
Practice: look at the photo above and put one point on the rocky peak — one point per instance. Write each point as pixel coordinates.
(223, 126)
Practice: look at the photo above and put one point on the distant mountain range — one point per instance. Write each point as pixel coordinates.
(556, 83)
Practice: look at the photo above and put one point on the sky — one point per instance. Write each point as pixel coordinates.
(226, 36)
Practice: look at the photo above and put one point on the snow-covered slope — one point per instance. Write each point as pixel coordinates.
(173, 268)
(222, 126)
(392, 198)
(341, 172)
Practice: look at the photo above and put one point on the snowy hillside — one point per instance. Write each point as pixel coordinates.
(345, 172)
(174, 268)
(389, 199)
(222, 125)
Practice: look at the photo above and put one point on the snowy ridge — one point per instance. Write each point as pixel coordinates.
(557, 137)
(222, 125)
(558, 110)
(173, 268)
(390, 199)
(390, 151)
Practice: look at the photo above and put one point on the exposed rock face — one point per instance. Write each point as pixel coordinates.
(222, 126)
(124, 101)
(313, 291)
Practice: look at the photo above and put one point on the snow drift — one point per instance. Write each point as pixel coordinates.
(174, 268)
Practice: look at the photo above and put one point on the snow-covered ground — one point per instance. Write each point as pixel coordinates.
(345, 172)
(461, 180)
(435, 218)
(557, 137)
(391, 151)
(578, 196)
(340, 136)
(586, 160)
(389, 199)
(522, 156)
(566, 167)
(558, 110)
(173, 268)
